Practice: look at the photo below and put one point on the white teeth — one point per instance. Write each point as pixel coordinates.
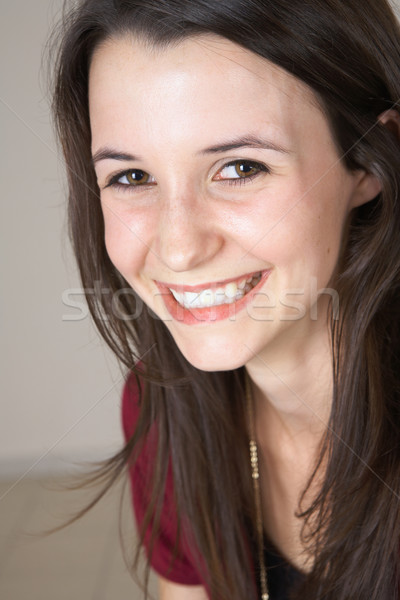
(206, 298)
(230, 289)
(219, 297)
(178, 297)
(228, 294)
(190, 297)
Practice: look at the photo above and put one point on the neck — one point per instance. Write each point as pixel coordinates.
(292, 394)
(292, 385)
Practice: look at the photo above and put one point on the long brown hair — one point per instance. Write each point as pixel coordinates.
(348, 52)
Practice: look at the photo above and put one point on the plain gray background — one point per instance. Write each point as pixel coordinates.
(60, 390)
(60, 393)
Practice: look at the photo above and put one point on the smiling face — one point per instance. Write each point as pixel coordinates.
(223, 196)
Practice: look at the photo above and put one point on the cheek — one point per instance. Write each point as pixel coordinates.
(123, 243)
(304, 243)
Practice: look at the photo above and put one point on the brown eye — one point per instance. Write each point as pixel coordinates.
(135, 177)
(246, 168)
(131, 178)
(238, 171)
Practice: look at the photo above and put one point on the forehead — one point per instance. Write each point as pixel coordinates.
(202, 84)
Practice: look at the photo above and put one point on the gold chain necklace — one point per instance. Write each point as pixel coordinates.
(255, 473)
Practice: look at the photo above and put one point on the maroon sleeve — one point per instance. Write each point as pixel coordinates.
(182, 570)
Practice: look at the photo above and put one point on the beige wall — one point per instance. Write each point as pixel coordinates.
(59, 387)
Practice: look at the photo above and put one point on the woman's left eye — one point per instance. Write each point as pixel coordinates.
(240, 171)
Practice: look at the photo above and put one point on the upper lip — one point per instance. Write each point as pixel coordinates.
(204, 286)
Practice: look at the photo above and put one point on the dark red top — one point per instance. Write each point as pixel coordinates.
(183, 570)
(281, 575)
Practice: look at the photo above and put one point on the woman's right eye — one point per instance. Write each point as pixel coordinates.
(130, 178)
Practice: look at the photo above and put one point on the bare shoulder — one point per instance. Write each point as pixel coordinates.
(175, 591)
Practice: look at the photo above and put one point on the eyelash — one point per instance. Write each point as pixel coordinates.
(261, 168)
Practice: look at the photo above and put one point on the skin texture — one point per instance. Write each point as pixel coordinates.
(191, 224)
(175, 591)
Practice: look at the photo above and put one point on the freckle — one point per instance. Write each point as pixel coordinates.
(329, 250)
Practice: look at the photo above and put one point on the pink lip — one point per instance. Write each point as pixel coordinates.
(204, 286)
(206, 315)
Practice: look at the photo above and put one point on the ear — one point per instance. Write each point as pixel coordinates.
(391, 120)
(369, 186)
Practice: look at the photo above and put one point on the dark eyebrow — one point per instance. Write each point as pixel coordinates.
(109, 153)
(248, 141)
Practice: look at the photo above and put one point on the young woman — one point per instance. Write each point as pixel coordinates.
(234, 175)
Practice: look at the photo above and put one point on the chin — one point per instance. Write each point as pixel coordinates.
(215, 359)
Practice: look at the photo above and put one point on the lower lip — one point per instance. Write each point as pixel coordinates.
(208, 314)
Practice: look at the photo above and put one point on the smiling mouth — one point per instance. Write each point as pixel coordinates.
(216, 295)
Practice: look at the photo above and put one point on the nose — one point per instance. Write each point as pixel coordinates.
(188, 235)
